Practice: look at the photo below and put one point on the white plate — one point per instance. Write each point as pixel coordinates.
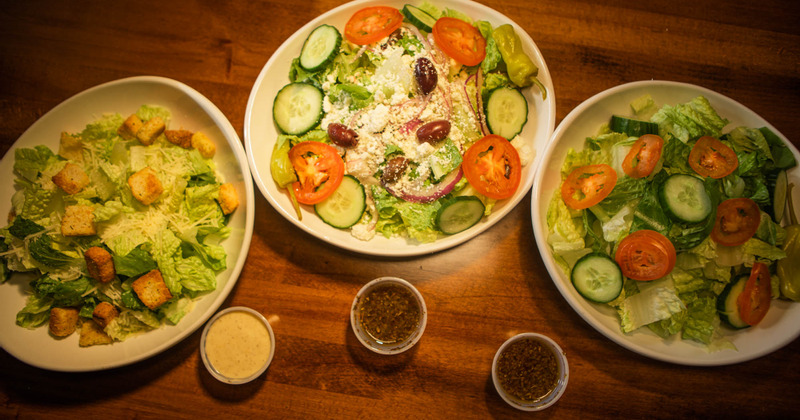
(260, 133)
(190, 110)
(782, 323)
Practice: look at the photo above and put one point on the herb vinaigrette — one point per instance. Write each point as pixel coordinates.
(389, 313)
(527, 370)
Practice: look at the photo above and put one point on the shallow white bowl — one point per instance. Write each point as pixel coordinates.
(204, 356)
(563, 373)
(371, 343)
(782, 323)
(260, 133)
(189, 109)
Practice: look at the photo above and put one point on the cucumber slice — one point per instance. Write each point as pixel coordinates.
(684, 198)
(728, 306)
(320, 48)
(633, 128)
(597, 277)
(297, 108)
(419, 18)
(345, 206)
(459, 214)
(506, 112)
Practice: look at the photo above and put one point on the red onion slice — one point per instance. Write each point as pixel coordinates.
(479, 101)
(430, 194)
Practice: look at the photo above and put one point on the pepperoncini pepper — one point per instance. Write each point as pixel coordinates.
(789, 267)
(282, 170)
(521, 69)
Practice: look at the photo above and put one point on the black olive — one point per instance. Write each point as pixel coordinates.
(341, 135)
(394, 169)
(426, 75)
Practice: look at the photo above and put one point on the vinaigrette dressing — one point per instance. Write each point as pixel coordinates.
(238, 345)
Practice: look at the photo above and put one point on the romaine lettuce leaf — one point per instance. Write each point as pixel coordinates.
(30, 162)
(651, 305)
(134, 263)
(36, 311)
(689, 120)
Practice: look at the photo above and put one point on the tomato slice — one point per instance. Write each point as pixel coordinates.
(645, 255)
(757, 294)
(372, 24)
(319, 169)
(643, 156)
(493, 167)
(712, 158)
(737, 221)
(459, 40)
(588, 185)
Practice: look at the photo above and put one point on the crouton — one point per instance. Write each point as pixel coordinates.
(71, 179)
(130, 127)
(182, 138)
(78, 221)
(145, 186)
(100, 264)
(63, 321)
(92, 334)
(104, 313)
(151, 289)
(71, 147)
(204, 145)
(228, 199)
(150, 131)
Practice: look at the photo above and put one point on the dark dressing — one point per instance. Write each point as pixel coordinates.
(389, 313)
(527, 370)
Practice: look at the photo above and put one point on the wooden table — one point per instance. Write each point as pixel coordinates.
(478, 293)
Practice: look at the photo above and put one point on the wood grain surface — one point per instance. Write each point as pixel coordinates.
(478, 294)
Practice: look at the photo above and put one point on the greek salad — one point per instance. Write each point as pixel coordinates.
(119, 231)
(405, 123)
(680, 227)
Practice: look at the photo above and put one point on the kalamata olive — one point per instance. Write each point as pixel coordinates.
(341, 135)
(426, 75)
(433, 131)
(394, 169)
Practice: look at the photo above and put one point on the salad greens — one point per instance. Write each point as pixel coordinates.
(371, 89)
(684, 301)
(179, 234)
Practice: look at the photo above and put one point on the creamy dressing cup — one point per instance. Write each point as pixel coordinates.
(234, 345)
(370, 342)
(562, 375)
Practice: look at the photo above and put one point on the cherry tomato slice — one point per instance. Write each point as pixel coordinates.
(643, 156)
(757, 294)
(319, 169)
(372, 24)
(588, 185)
(712, 158)
(645, 255)
(737, 221)
(459, 40)
(493, 167)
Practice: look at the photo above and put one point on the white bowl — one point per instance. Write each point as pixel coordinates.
(189, 109)
(781, 325)
(563, 373)
(217, 373)
(370, 342)
(260, 133)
